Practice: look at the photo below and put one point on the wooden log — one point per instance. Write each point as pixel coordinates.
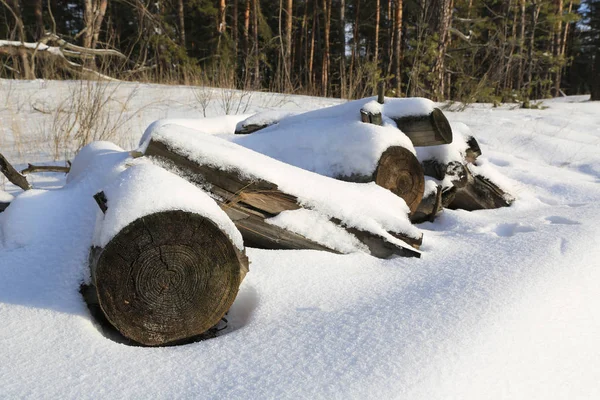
(426, 130)
(249, 202)
(399, 171)
(12, 174)
(167, 276)
(429, 207)
(479, 193)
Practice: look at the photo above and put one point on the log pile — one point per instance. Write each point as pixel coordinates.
(171, 272)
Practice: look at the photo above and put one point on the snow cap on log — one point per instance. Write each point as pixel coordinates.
(94, 160)
(146, 189)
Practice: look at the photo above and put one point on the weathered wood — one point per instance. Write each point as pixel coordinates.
(249, 202)
(479, 193)
(167, 276)
(44, 168)
(12, 174)
(371, 118)
(260, 234)
(399, 171)
(247, 129)
(473, 151)
(429, 207)
(426, 130)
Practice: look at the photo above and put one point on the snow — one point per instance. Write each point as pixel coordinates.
(133, 195)
(318, 228)
(502, 305)
(349, 202)
(414, 106)
(265, 118)
(5, 197)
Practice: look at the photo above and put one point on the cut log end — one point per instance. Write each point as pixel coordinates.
(400, 172)
(167, 276)
(426, 130)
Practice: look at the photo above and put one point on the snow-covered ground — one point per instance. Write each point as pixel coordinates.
(503, 304)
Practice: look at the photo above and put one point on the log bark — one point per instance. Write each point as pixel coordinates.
(249, 202)
(166, 277)
(426, 130)
(13, 175)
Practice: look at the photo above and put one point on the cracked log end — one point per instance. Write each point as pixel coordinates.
(167, 276)
(400, 171)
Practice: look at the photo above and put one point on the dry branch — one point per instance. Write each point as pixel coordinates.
(44, 168)
(12, 174)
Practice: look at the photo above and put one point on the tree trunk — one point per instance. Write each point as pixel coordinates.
(221, 21)
(256, 10)
(342, 50)
(398, 50)
(180, 15)
(247, 29)
(312, 45)
(535, 12)
(248, 202)
(558, 45)
(288, 43)
(595, 81)
(377, 23)
(167, 276)
(521, 47)
(441, 25)
(39, 19)
(326, 53)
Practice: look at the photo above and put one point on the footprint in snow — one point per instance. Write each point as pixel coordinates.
(561, 221)
(499, 162)
(507, 230)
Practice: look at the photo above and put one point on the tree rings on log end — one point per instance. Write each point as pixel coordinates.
(400, 171)
(168, 276)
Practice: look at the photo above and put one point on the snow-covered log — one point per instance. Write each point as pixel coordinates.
(167, 262)
(252, 189)
(426, 130)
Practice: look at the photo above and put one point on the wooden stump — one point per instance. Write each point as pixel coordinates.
(167, 276)
(400, 171)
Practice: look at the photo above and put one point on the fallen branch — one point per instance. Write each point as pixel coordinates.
(13, 175)
(44, 168)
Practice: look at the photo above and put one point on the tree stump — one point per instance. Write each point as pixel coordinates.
(167, 276)
(400, 171)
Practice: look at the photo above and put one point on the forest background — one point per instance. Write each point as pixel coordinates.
(463, 50)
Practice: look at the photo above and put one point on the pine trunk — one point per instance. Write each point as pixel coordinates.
(398, 50)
